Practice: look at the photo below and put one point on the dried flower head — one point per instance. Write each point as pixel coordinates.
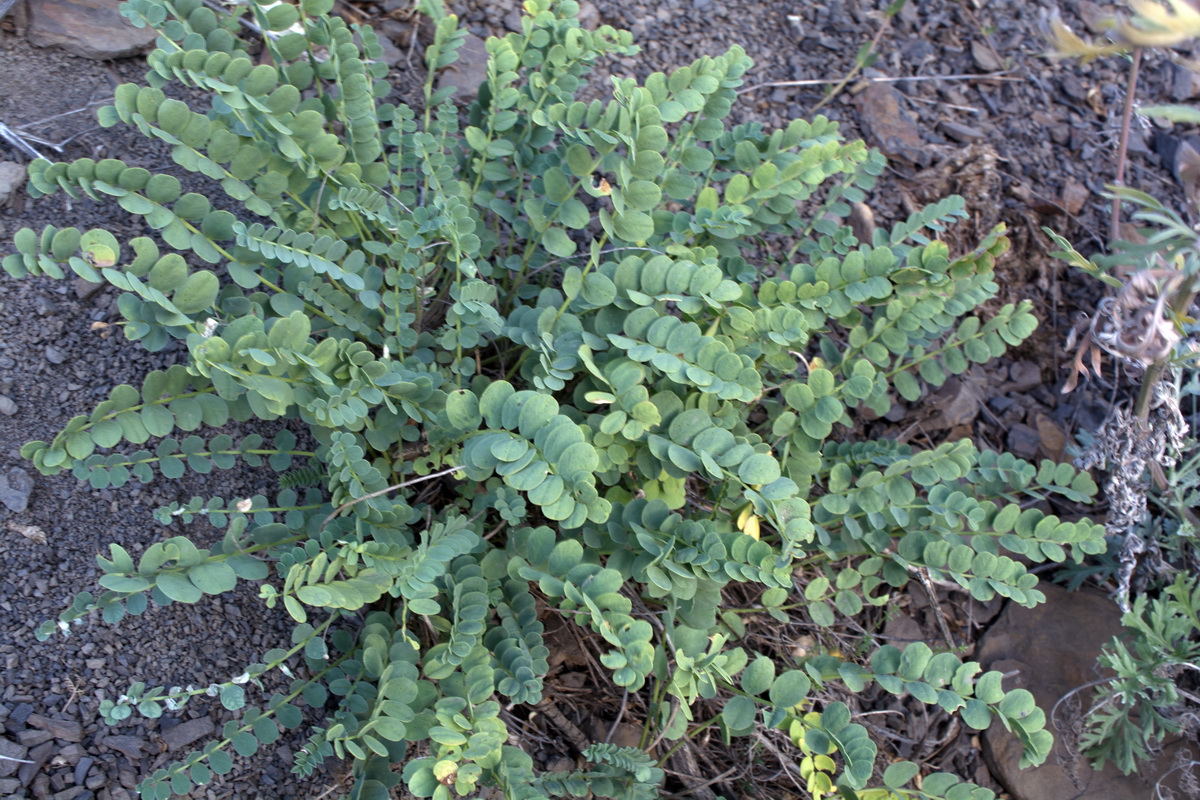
(1135, 325)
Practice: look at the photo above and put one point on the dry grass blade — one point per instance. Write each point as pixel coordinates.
(18, 141)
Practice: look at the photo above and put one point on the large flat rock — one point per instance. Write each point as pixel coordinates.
(1052, 650)
(89, 28)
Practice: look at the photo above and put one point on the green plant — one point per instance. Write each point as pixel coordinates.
(545, 360)
(1148, 328)
(1152, 474)
(1139, 707)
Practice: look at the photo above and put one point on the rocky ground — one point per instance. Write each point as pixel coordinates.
(962, 98)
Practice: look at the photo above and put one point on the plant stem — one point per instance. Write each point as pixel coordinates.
(392, 488)
(1141, 406)
(1123, 147)
(1181, 300)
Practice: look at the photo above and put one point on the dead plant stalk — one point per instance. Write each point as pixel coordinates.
(1123, 147)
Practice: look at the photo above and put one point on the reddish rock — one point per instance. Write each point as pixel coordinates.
(890, 127)
(12, 175)
(1051, 650)
(1074, 195)
(90, 28)
(129, 746)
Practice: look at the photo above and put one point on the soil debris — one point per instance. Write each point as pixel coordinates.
(31, 532)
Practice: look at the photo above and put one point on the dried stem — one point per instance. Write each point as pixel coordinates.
(1123, 148)
(381, 492)
(1002, 75)
(1180, 301)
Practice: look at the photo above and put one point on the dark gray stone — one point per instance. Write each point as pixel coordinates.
(469, 71)
(36, 759)
(85, 289)
(15, 488)
(81, 769)
(186, 733)
(1001, 403)
(1183, 83)
(13, 754)
(32, 738)
(129, 746)
(20, 714)
(66, 729)
(1023, 441)
(392, 55)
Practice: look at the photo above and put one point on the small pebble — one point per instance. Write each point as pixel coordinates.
(55, 356)
(81, 769)
(7, 406)
(20, 714)
(32, 738)
(129, 746)
(15, 489)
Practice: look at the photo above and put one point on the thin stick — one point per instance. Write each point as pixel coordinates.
(927, 101)
(247, 24)
(53, 117)
(568, 728)
(612, 730)
(995, 76)
(404, 485)
(18, 760)
(1122, 149)
(923, 574)
(16, 140)
(691, 790)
